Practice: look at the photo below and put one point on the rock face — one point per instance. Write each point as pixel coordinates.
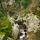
(30, 24)
(33, 23)
(15, 31)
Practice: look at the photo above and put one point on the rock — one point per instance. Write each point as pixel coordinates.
(33, 23)
(15, 31)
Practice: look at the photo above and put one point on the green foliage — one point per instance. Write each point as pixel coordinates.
(2, 13)
(2, 34)
(17, 1)
(25, 3)
(5, 25)
(37, 12)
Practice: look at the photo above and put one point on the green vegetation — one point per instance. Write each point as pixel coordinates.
(25, 3)
(5, 25)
